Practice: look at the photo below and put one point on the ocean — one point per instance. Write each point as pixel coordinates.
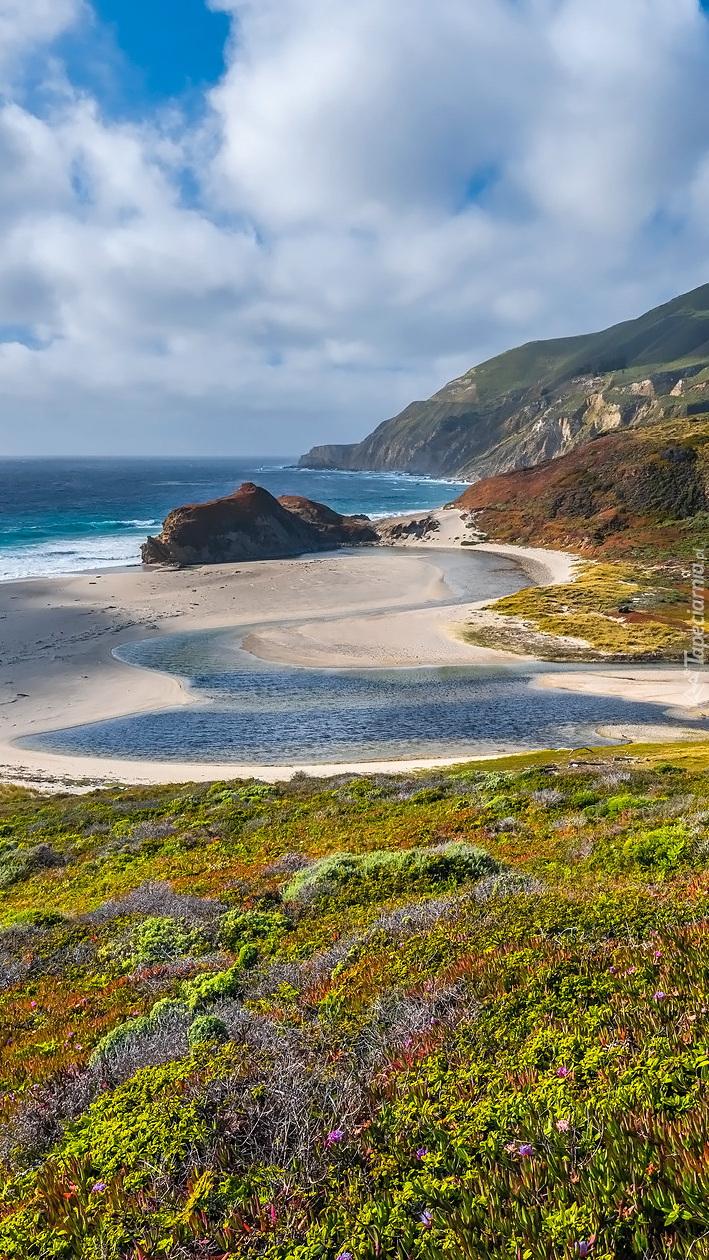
(68, 515)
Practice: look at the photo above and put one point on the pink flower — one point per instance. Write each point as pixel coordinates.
(563, 1126)
(562, 1071)
(631, 971)
(659, 996)
(33, 1005)
(510, 1148)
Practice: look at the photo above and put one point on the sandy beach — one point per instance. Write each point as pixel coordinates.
(365, 607)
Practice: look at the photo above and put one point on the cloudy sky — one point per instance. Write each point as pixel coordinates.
(250, 225)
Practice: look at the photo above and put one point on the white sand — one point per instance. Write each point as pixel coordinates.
(668, 686)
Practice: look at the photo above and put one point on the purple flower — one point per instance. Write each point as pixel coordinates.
(98, 1187)
(562, 1071)
(582, 1248)
(659, 996)
(422, 1150)
(334, 1136)
(426, 1218)
(612, 970)
(526, 1151)
(631, 971)
(345, 1255)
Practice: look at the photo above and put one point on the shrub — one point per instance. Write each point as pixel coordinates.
(158, 939)
(206, 1028)
(356, 877)
(238, 927)
(655, 852)
(204, 990)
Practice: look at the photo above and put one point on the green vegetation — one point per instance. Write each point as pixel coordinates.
(460, 1014)
(616, 609)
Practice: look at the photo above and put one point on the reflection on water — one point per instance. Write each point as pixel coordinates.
(254, 712)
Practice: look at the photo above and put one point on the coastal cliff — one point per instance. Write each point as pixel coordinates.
(545, 399)
(252, 525)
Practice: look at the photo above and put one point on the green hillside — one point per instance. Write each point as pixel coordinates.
(460, 1014)
(546, 398)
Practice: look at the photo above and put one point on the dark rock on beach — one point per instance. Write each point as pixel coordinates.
(252, 525)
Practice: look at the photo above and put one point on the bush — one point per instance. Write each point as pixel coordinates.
(656, 853)
(204, 990)
(206, 1028)
(158, 939)
(358, 877)
(238, 927)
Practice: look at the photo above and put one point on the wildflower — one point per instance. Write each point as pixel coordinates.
(526, 1151)
(659, 996)
(33, 1004)
(563, 1126)
(582, 1248)
(422, 1150)
(334, 1136)
(345, 1255)
(98, 1187)
(426, 1218)
(510, 1148)
(631, 971)
(612, 970)
(562, 1071)
(77, 1046)
(657, 955)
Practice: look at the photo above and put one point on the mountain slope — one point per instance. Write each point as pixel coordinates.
(545, 398)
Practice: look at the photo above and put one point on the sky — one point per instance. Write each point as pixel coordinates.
(246, 226)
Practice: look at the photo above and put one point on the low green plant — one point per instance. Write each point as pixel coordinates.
(360, 876)
(239, 927)
(158, 939)
(206, 1028)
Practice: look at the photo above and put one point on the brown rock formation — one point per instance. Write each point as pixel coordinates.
(252, 525)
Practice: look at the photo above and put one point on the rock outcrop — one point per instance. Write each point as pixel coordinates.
(252, 525)
(545, 399)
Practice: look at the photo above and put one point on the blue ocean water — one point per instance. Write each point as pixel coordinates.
(64, 516)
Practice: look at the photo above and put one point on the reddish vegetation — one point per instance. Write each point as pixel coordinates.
(620, 495)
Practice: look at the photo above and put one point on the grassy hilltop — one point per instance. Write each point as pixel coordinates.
(462, 1014)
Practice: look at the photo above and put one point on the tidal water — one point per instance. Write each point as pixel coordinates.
(254, 712)
(64, 516)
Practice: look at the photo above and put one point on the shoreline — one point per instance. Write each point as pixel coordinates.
(372, 607)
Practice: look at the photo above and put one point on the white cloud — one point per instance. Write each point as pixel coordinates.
(336, 260)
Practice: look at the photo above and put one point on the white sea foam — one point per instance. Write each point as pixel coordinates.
(70, 555)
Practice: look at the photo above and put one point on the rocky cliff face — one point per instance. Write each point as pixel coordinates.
(545, 399)
(252, 525)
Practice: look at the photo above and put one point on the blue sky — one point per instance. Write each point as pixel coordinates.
(248, 227)
(135, 55)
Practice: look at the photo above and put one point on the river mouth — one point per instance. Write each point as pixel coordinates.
(246, 711)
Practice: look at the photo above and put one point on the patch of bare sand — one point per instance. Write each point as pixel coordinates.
(668, 686)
